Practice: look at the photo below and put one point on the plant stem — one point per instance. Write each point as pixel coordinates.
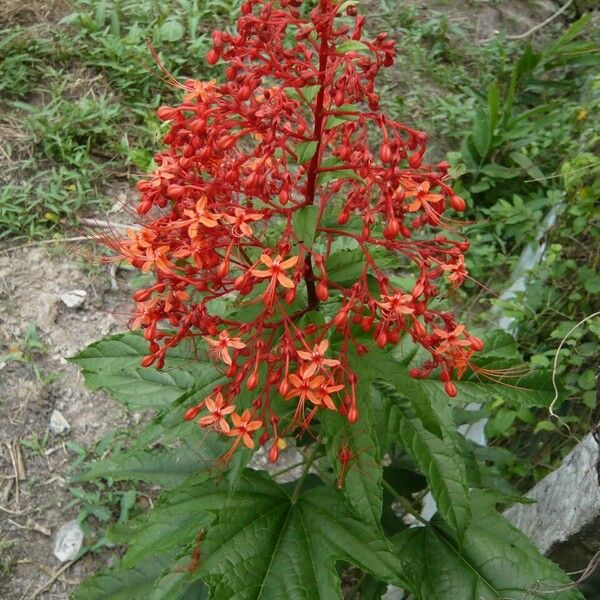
(309, 461)
(313, 167)
(406, 505)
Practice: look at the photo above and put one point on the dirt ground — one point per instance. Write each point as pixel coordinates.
(34, 482)
(31, 283)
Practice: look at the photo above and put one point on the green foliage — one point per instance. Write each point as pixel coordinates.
(241, 534)
(494, 561)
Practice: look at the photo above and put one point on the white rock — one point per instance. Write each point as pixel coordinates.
(567, 500)
(68, 541)
(74, 298)
(58, 424)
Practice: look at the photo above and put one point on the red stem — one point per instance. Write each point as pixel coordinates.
(313, 167)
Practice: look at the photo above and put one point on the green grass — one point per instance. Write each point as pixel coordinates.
(77, 103)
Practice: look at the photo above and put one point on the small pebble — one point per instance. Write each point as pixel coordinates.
(68, 541)
(58, 424)
(74, 298)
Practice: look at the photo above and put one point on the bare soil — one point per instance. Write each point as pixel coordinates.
(33, 508)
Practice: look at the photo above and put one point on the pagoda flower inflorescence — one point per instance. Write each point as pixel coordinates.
(294, 134)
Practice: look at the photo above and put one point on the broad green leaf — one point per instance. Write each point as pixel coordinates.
(125, 350)
(439, 458)
(305, 151)
(265, 545)
(166, 468)
(112, 364)
(495, 561)
(144, 387)
(258, 542)
(171, 527)
(441, 462)
(304, 223)
(133, 583)
(345, 266)
(362, 477)
(534, 389)
(419, 402)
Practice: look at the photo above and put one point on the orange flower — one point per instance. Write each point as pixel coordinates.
(239, 221)
(275, 269)
(451, 340)
(199, 90)
(422, 197)
(317, 359)
(220, 346)
(219, 411)
(395, 306)
(200, 216)
(457, 271)
(243, 426)
(305, 387)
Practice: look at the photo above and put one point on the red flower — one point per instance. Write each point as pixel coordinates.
(266, 175)
(243, 427)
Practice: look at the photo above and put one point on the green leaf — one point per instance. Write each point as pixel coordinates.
(363, 474)
(328, 176)
(526, 163)
(499, 172)
(574, 30)
(345, 266)
(305, 151)
(170, 527)
(439, 458)
(304, 224)
(493, 98)
(171, 31)
(133, 583)
(441, 463)
(352, 46)
(481, 133)
(112, 364)
(144, 388)
(166, 468)
(309, 92)
(263, 544)
(418, 401)
(495, 561)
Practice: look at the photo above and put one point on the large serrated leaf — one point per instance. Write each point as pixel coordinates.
(263, 544)
(132, 583)
(166, 468)
(142, 388)
(439, 458)
(363, 474)
(441, 462)
(123, 351)
(257, 542)
(112, 364)
(495, 561)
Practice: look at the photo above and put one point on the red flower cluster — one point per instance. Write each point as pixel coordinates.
(295, 125)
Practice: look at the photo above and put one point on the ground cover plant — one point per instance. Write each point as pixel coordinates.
(299, 251)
